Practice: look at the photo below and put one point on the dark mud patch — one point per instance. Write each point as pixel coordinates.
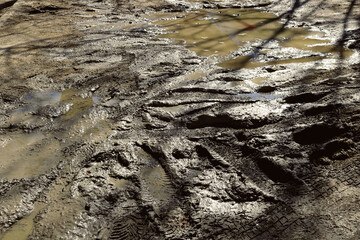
(318, 133)
(322, 109)
(222, 121)
(7, 4)
(276, 172)
(339, 149)
(305, 97)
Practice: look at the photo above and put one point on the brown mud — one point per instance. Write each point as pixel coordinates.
(184, 119)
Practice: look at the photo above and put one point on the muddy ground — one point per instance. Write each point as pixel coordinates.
(179, 119)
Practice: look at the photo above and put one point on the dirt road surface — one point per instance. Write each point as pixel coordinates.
(180, 119)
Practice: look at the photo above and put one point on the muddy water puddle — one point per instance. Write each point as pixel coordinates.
(24, 155)
(77, 101)
(218, 32)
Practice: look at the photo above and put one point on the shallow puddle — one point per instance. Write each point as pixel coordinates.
(217, 32)
(79, 103)
(24, 155)
(36, 100)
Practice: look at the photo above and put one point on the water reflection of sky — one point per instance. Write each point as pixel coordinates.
(256, 96)
(34, 101)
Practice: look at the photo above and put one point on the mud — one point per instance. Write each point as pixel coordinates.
(179, 119)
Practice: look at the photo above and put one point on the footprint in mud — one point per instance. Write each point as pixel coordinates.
(132, 226)
(158, 187)
(158, 183)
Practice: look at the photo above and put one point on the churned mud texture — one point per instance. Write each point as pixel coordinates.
(187, 119)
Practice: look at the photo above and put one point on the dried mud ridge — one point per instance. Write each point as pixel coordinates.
(109, 131)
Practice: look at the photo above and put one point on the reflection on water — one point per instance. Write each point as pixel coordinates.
(257, 96)
(70, 96)
(79, 103)
(36, 100)
(24, 155)
(217, 32)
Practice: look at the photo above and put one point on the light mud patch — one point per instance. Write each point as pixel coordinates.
(218, 32)
(254, 81)
(249, 62)
(27, 155)
(194, 75)
(119, 183)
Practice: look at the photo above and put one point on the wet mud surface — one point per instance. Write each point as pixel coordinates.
(179, 119)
